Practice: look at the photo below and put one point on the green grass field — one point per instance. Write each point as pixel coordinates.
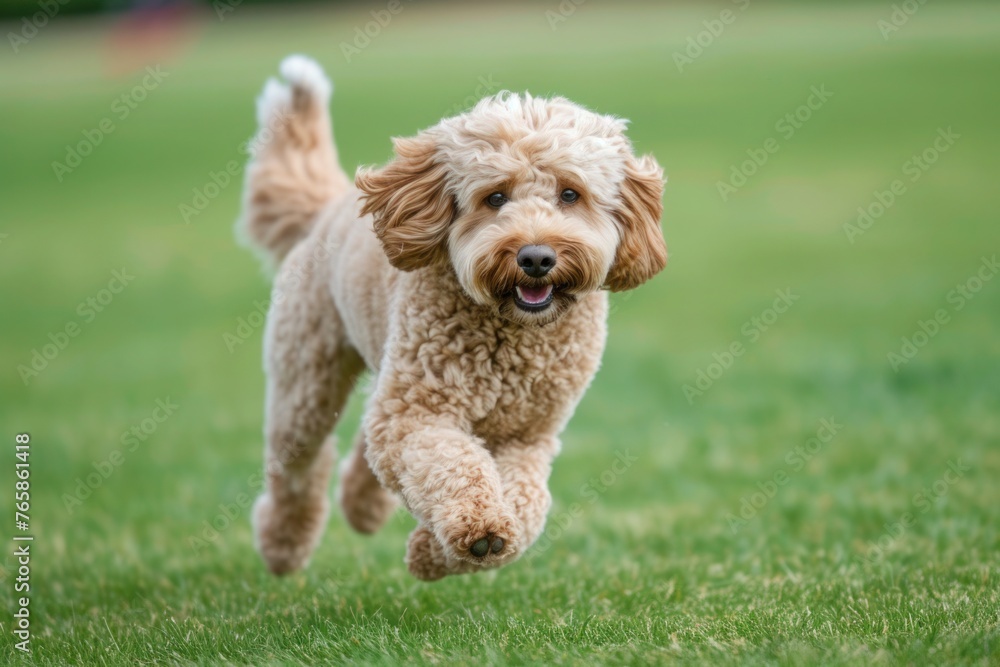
(744, 529)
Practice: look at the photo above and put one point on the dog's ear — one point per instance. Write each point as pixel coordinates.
(642, 252)
(407, 198)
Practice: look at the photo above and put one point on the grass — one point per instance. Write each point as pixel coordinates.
(650, 567)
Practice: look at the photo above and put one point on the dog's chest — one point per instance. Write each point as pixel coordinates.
(533, 379)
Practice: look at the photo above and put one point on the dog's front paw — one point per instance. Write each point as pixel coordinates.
(483, 537)
(426, 558)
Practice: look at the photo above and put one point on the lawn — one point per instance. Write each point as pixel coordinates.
(789, 456)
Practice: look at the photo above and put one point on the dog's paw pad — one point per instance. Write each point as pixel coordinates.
(483, 546)
(480, 548)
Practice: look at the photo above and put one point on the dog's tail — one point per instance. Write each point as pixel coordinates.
(293, 170)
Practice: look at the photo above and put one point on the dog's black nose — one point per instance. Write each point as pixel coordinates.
(536, 260)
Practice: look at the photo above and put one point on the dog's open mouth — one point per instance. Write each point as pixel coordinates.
(533, 299)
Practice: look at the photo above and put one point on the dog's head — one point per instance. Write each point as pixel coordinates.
(533, 202)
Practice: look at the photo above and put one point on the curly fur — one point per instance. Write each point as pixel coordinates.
(413, 275)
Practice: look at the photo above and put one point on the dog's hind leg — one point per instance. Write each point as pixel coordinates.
(311, 371)
(365, 503)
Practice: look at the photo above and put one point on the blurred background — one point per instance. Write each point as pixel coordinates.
(789, 455)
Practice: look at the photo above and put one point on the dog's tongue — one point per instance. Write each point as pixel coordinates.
(534, 294)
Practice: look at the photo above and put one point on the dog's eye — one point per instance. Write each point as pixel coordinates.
(569, 196)
(497, 199)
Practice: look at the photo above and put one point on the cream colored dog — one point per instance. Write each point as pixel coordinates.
(468, 274)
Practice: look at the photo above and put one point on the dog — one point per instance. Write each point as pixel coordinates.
(470, 275)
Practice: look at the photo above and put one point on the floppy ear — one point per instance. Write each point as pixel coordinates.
(642, 252)
(407, 198)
